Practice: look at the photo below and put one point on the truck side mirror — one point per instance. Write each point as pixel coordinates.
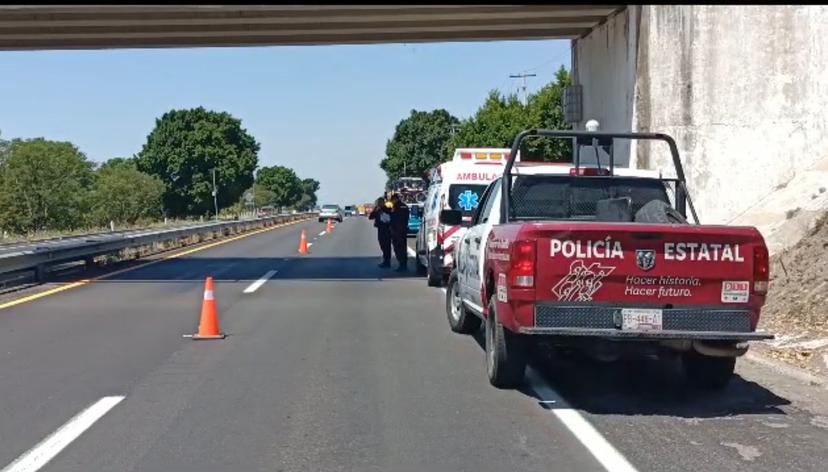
(451, 217)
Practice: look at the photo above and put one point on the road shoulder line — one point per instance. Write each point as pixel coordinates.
(83, 282)
(604, 452)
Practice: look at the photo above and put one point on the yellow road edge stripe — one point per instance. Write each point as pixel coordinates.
(81, 283)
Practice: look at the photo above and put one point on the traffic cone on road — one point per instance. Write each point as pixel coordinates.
(208, 327)
(329, 227)
(303, 244)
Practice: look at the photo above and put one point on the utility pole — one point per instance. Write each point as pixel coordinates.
(215, 194)
(523, 76)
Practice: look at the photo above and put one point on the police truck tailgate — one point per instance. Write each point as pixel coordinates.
(645, 266)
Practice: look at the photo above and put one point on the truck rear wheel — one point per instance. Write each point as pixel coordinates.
(505, 353)
(459, 318)
(709, 373)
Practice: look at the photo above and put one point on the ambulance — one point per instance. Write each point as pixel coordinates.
(458, 185)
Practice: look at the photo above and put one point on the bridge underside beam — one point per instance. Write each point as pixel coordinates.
(110, 26)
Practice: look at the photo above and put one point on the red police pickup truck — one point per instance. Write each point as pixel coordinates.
(603, 260)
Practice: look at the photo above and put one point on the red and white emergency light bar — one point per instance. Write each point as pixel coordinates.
(483, 156)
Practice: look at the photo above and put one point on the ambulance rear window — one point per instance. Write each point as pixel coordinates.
(465, 197)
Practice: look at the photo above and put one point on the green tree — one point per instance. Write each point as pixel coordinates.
(44, 185)
(262, 196)
(283, 182)
(419, 143)
(545, 111)
(308, 198)
(495, 124)
(124, 194)
(4, 148)
(183, 149)
(502, 117)
(129, 162)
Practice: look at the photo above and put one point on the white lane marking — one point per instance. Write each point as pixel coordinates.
(255, 285)
(321, 234)
(46, 450)
(596, 444)
(411, 252)
(310, 244)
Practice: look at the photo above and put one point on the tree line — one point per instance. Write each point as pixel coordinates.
(52, 185)
(426, 138)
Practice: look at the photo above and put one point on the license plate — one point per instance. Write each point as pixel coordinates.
(638, 319)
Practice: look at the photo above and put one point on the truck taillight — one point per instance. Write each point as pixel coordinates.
(761, 270)
(523, 264)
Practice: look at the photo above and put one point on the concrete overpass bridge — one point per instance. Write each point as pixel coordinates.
(743, 89)
(111, 26)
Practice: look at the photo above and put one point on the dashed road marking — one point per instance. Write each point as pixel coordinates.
(255, 285)
(38, 456)
(310, 244)
(321, 234)
(411, 252)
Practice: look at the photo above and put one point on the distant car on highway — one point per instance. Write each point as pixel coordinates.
(331, 212)
(350, 210)
(267, 211)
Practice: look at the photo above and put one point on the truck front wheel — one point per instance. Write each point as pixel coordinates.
(435, 278)
(505, 352)
(421, 269)
(460, 320)
(709, 373)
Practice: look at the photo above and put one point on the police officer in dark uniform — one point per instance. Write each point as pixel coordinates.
(382, 221)
(399, 231)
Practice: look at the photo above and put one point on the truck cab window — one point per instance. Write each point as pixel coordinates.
(488, 203)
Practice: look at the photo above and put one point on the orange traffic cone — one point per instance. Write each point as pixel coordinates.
(208, 327)
(329, 227)
(303, 244)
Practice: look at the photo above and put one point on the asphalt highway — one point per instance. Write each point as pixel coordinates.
(334, 364)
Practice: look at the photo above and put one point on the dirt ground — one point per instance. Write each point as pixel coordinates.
(797, 306)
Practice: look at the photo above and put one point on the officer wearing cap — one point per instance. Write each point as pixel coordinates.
(382, 221)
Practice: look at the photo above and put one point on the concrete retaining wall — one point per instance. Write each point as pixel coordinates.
(743, 89)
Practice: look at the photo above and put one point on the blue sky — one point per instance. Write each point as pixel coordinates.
(325, 111)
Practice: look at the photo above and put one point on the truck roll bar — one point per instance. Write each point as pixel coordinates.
(596, 138)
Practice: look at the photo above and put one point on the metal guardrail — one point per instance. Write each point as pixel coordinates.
(39, 255)
(7, 246)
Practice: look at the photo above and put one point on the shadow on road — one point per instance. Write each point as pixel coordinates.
(644, 386)
(240, 269)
